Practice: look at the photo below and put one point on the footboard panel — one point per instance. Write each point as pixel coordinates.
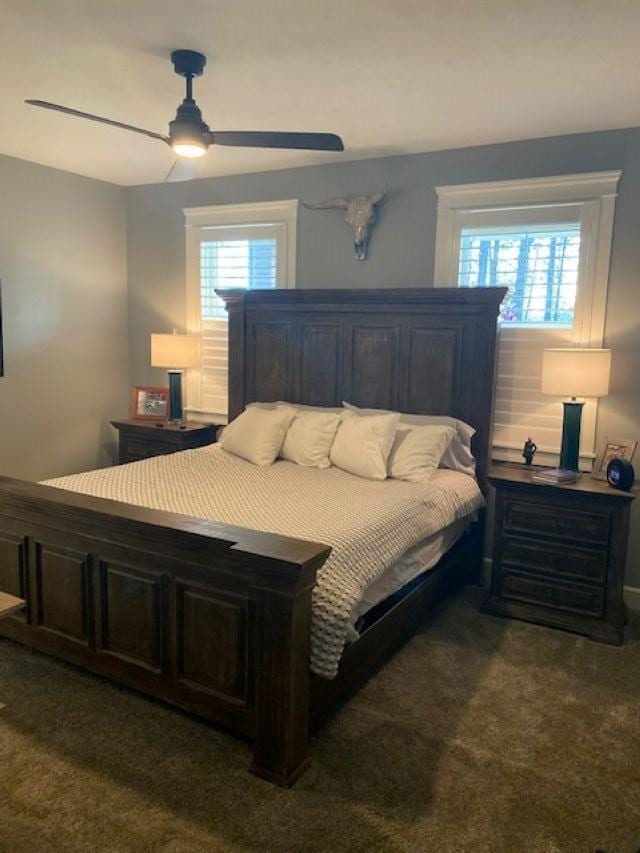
(210, 618)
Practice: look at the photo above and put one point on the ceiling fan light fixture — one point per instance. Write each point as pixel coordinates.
(187, 132)
(189, 149)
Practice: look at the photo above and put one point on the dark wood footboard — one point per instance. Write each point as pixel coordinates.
(210, 618)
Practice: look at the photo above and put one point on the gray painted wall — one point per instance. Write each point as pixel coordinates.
(63, 271)
(402, 250)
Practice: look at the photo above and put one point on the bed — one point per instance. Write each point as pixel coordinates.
(221, 619)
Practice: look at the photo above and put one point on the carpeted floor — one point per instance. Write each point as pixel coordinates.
(481, 735)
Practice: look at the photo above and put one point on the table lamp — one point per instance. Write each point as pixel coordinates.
(574, 372)
(175, 352)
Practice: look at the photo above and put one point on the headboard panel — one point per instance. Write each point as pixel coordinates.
(423, 351)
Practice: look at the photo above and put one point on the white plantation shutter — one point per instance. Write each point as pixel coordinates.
(521, 409)
(538, 262)
(229, 257)
(548, 241)
(213, 378)
(251, 255)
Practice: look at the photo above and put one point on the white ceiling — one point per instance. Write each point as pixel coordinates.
(390, 76)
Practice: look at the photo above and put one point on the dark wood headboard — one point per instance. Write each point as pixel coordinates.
(423, 351)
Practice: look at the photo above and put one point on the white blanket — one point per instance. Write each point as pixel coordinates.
(369, 524)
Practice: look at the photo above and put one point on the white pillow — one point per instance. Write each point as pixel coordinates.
(458, 455)
(310, 437)
(258, 434)
(299, 407)
(363, 444)
(417, 451)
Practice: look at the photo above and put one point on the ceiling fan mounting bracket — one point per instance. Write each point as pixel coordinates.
(188, 63)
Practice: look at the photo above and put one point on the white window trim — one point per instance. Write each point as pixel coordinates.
(198, 219)
(594, 193)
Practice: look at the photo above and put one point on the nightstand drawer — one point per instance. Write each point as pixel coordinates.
(580, 599)
(136, 449)
(524, 517)
(537, 556)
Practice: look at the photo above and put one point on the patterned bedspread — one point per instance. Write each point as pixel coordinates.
(369, 524)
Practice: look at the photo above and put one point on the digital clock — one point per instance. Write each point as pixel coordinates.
(620, 474)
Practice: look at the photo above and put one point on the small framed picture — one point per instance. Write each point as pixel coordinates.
(612, 448)
(151, 403)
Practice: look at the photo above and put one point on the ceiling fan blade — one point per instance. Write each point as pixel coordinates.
(263, 139)
(47, 106)
(183, 170)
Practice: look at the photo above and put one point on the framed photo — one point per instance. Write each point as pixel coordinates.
(612, 448)
(150, 403)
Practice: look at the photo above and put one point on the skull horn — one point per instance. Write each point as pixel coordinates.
(379, 196)
(335, 202)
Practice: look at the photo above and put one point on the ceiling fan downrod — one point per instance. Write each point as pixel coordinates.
(188, 133)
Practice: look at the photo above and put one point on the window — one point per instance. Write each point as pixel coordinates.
(538, 263)
(548, 241)
(230, 246)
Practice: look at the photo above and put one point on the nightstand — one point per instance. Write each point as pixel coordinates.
(559, 553)
(142, 439)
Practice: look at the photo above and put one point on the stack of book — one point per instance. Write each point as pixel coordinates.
(555, 476)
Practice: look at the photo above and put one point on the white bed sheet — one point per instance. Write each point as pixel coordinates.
(420, 558)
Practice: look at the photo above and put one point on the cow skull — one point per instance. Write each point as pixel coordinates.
(361, 216)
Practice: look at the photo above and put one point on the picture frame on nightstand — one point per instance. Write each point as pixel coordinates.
(612, 448)
(149, 403)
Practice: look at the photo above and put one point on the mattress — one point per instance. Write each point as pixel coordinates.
(369, 524)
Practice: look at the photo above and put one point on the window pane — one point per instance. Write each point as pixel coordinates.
(539, 265)
(234, 263)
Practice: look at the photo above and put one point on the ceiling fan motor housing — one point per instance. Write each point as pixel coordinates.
(188, 125)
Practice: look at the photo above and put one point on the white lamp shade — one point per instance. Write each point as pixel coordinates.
(576, 372)
(177, 351)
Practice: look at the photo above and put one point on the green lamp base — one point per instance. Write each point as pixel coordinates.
(176, 415)
(570, 450)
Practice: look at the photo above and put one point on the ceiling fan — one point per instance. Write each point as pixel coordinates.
(190, 137)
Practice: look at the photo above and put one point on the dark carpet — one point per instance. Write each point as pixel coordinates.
(481, 735)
